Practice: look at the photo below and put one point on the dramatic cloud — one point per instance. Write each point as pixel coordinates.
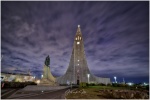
(116, 37)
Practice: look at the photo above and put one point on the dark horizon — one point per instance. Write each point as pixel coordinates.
(115, 34)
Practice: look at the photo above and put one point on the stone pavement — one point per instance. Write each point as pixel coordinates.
(43, 88)
(5, 93)
(51, 94)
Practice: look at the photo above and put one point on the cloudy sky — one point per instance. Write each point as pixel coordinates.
(116, 37)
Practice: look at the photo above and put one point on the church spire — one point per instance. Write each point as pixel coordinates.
(78, 30)
(78, 68)
(78, 34)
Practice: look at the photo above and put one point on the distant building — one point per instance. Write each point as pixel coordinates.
(16, 77)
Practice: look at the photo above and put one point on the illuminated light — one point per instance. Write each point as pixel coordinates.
(145, 84)
(25, 77)
(78, 64)
(38, 81)
(78, 42)
(78, 25)
(68, 82)
(130, 84)
(42, 91)
(78, 60)
(76, 38)
(42, 76)
(115, 78)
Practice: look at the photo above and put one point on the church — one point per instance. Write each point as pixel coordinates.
(78, 70)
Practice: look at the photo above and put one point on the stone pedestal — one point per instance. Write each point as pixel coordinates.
(45, 81)
(48, 78)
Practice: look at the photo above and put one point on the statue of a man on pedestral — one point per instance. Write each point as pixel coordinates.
(48, 78)
(47, 61)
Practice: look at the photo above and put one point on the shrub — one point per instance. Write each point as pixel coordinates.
(87, 84)
(64, 84)
(101, 84)
(114, 84)
(92, 84)
(17, 84)
(109, 84)
(83, 84)
(147, 87)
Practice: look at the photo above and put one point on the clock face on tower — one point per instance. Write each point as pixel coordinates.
(78, 42)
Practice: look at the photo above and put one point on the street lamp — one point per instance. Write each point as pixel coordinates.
(88, 75)
(42, 76)
(115, 78)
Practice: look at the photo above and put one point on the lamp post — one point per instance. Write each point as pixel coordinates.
(115, 79)
(88, 75)
(34, 78)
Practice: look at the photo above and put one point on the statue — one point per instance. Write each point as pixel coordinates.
(47, 77)
(47, 61)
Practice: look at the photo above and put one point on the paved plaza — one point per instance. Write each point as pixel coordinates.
(35, 92)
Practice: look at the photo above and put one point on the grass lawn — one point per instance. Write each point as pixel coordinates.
(91, 92)
(107, 87)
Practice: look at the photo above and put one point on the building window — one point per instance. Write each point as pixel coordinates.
(78, 42)
(76, 38)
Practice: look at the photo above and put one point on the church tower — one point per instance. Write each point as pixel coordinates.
(78, 70)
